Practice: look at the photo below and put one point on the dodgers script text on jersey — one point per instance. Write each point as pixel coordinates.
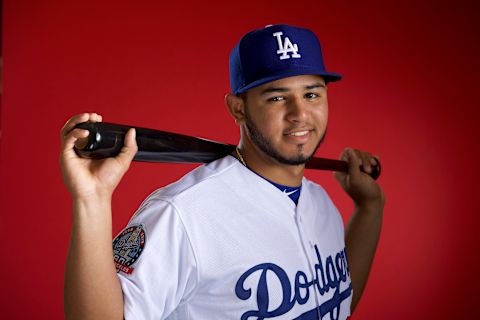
(223, 243)
(328, 275)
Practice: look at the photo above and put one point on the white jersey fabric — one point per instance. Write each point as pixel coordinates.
(224, 243)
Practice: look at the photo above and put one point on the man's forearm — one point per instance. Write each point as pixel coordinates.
(92, 288)
(362, 236)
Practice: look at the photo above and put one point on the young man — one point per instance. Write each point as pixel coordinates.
(244, 237)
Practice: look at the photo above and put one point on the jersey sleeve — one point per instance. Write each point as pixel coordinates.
(155, 262)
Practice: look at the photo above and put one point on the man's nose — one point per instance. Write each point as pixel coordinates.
(297, 110)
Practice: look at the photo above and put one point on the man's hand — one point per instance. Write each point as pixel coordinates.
(363, 230)
(87, 177)
(92, 288)
(358, 185)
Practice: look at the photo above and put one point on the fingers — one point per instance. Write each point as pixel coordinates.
(358, 183)
(346, 156)
(72, 136)
(129, 148)
(359, 160)
(366, 161)
(79, 118)
(130, 143)
(369, 161)
(354, 161)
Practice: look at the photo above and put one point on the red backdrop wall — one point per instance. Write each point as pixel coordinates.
(409, 94)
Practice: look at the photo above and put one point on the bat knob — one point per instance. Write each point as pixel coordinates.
(100, 143)
(376, 170)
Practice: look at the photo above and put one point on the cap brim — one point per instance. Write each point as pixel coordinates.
(327, 76)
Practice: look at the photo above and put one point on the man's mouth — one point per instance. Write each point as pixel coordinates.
(298, 133)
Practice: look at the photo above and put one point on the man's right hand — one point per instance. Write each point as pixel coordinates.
(92, 290)
(83, 177)
(88, 177)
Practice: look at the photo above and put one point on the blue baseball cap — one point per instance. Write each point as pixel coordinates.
(276, 52)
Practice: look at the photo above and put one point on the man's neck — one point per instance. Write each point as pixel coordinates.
(271, 169)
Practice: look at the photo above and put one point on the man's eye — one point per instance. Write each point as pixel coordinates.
(275, 99)
(311, 95)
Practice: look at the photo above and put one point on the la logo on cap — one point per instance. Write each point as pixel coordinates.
(286, 47)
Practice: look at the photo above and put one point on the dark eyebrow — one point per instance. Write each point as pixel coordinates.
(315, 86)
(282, 89)
(274, 89)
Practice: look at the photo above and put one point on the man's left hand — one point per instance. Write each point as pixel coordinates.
(363, 190)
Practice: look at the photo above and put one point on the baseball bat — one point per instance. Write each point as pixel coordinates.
(106, 140)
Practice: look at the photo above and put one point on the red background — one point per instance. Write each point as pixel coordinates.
(409, 94)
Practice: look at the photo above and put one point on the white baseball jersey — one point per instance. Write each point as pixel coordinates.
(223, 243)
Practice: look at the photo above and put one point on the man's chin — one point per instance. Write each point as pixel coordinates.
(295, 161)
(298, 159)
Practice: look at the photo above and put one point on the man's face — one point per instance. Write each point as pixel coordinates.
(287, 119)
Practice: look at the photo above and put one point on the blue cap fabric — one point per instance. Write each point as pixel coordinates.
(273, 53)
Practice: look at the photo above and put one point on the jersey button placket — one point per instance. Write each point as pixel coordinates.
(305, 243)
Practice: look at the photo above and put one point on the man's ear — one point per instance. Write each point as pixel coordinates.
(236, 107)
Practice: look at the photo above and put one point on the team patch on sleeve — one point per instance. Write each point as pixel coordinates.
(127, 247)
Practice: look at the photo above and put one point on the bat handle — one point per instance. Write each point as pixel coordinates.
(340, 166)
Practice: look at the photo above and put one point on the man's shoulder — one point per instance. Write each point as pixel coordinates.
(316, 193)
(207, 176)
(312, 186)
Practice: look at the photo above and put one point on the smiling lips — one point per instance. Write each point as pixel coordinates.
(298, 133)
(299, 136)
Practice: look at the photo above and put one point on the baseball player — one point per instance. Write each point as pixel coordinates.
(244, 237)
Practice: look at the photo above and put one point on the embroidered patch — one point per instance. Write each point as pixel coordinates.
(127, 247)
